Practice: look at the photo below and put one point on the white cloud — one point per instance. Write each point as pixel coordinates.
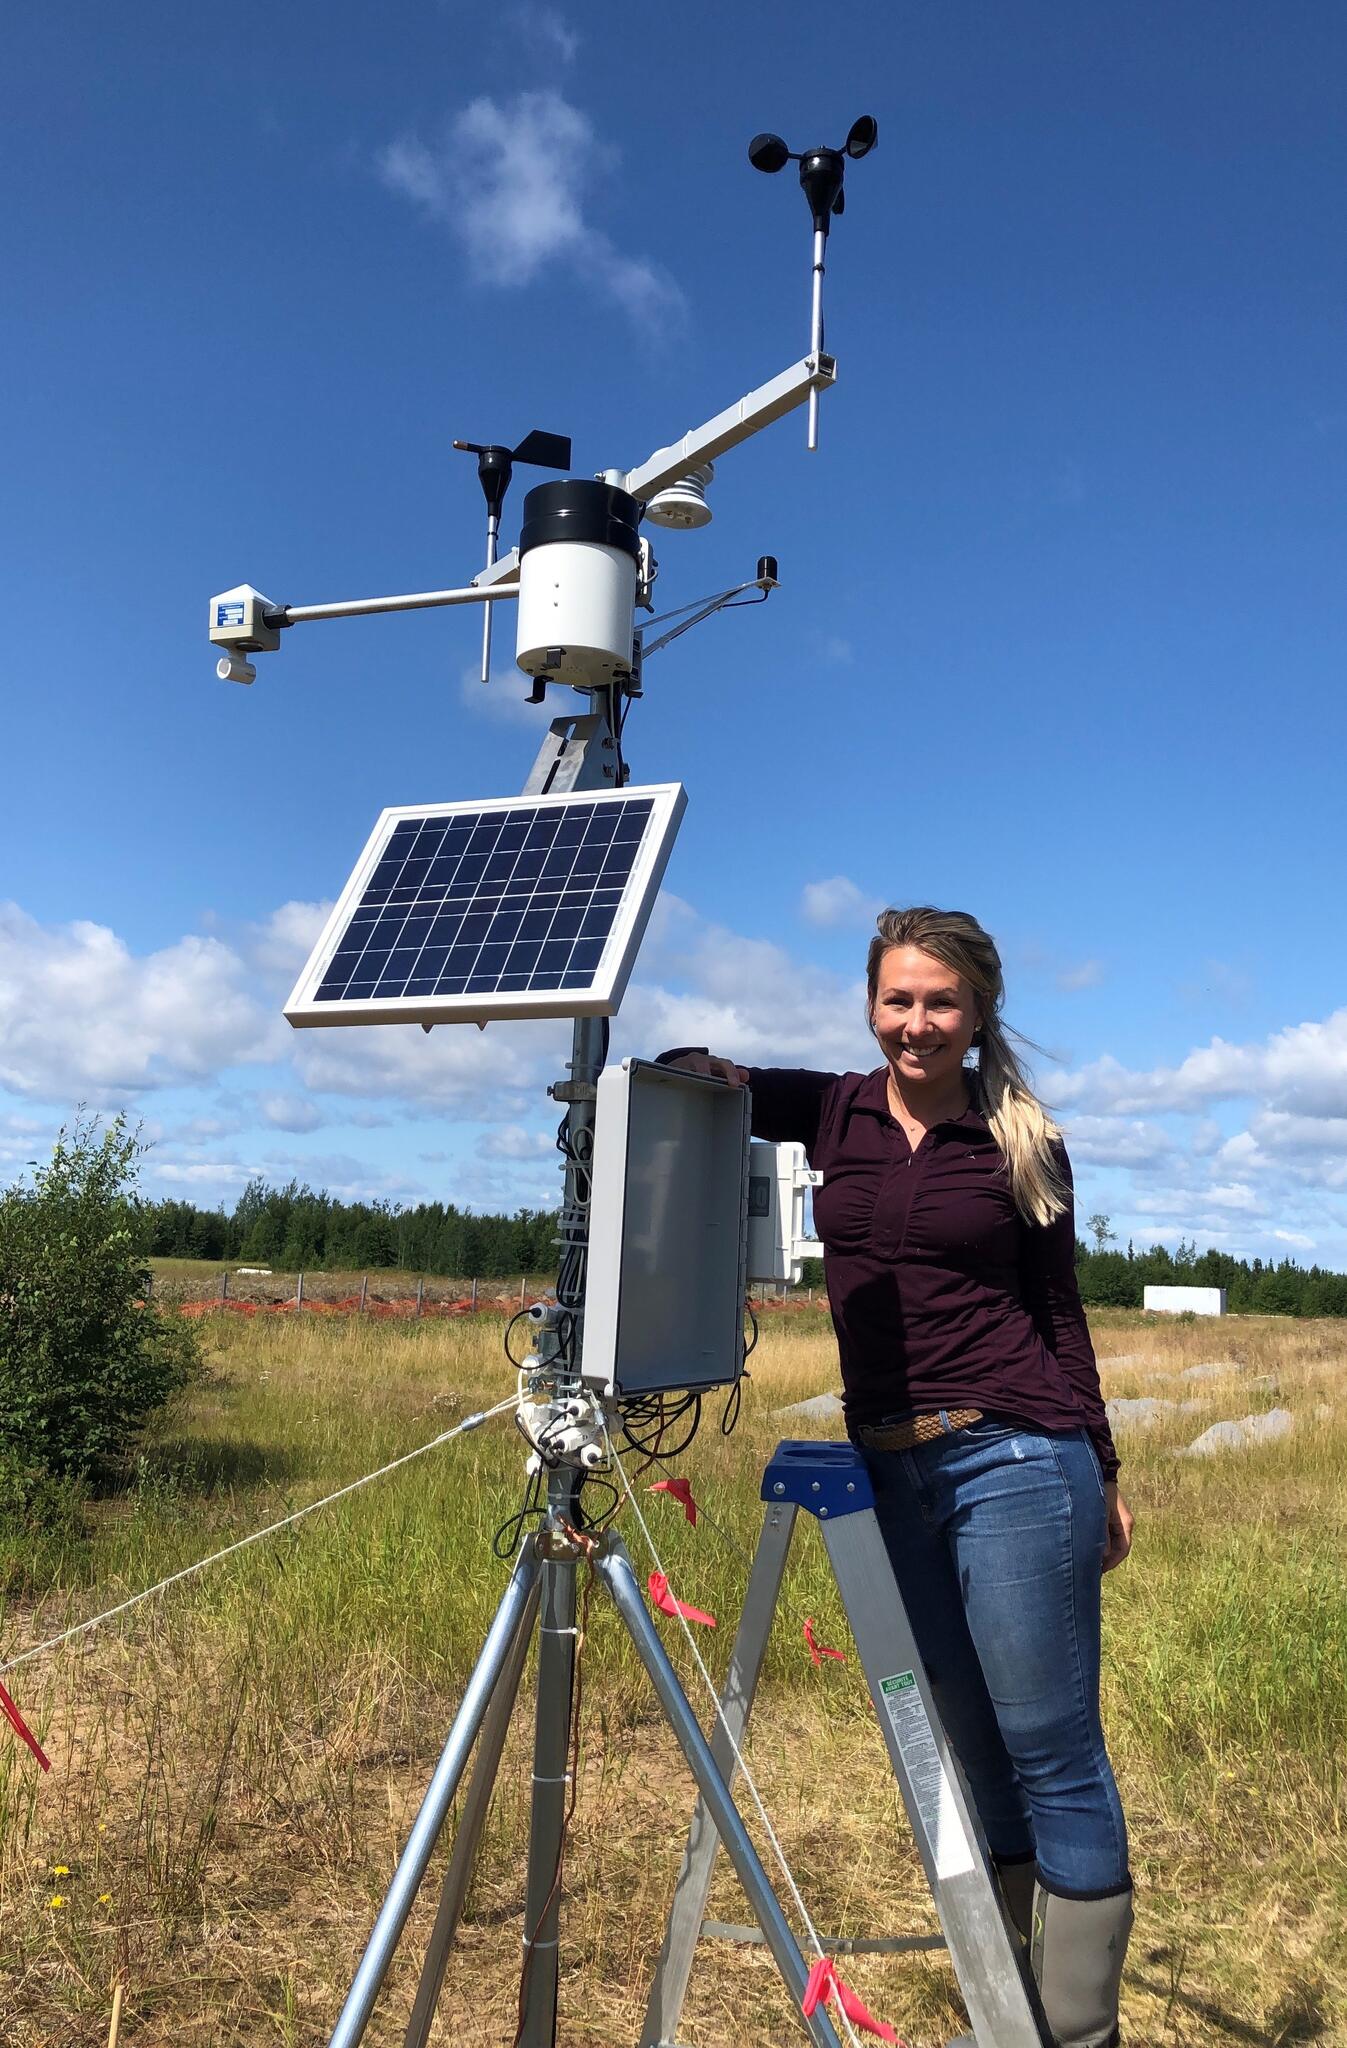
(281, 943)
(703, 984)
(837, 902)
(515, 1142)
(81, 1016)
(290, 1112)
(546, 31)
(1311, 1151)
(1088, 974)
(1301, 1069)
(505, 698)
(198, 1174)
(509, 180)
(485, 1076)
(1118, 1141)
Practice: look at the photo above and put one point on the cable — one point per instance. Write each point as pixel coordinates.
(510, 1534)
(520, 1315)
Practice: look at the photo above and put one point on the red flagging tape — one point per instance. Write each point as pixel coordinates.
(21, 1729)
(681, 1490)
(664, 1600)
(818, 1651)
(824, 1983)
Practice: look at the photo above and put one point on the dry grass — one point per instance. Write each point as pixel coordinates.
(235, 1772)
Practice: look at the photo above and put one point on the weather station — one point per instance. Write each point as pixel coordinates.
(534, 905)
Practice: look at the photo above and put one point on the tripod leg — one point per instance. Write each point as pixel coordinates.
(615, 1568)
(468, 1836)
(551, 1785)
(355, 2013)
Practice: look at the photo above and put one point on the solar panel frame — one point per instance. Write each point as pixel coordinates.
(393, 869)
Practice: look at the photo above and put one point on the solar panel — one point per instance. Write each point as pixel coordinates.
(516, 907)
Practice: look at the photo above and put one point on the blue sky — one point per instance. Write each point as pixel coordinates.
(1062, 628)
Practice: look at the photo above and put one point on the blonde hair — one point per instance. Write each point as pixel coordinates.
(1022, 1128)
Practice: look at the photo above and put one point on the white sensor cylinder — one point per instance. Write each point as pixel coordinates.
(577, 602)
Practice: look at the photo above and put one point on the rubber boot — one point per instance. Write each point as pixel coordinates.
(1077, 1950)
(1017, 1884)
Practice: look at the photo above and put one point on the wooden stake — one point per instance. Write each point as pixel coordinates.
(364, 1284)
(299, 1292)
(420, 1295)
(115, 2025)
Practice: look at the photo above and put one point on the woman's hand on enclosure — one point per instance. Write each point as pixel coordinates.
(1119, 1540)
(717, 1069)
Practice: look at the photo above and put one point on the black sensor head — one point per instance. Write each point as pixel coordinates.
(821, 170)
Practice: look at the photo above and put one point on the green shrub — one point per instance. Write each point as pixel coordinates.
(84, 1360)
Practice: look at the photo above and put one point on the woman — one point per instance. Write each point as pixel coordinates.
(971, 1390)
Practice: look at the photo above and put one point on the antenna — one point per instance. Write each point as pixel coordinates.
(495, 467)
(821, 173)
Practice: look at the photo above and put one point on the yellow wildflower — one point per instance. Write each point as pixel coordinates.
(60, 1870)
(105, 1898)
(54, 1902)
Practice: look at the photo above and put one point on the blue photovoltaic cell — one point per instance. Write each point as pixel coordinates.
(489, 900)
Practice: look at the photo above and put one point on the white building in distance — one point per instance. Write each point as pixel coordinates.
(1177, 1301)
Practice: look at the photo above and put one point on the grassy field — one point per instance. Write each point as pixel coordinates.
(236, 1765)
(179, 1280)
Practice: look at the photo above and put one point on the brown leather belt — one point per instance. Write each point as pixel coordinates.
(918, 1429)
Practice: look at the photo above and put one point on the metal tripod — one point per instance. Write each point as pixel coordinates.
(485, 1716)
(827, 1481)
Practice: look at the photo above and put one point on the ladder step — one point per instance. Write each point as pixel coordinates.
(832, 1944)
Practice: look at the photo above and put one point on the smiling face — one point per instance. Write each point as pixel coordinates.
(924, 1016)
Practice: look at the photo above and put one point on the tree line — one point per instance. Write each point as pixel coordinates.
(296, 1228)
(1116, 1279)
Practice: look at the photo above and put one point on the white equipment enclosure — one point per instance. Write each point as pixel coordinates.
(528, 906)
(667, 1232)
(779, 1180)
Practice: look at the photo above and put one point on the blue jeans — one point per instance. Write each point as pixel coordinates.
(996, 1534)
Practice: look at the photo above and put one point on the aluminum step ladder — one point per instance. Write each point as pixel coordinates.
(830, 1482)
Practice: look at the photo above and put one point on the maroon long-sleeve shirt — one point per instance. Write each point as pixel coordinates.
(941, 1294)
